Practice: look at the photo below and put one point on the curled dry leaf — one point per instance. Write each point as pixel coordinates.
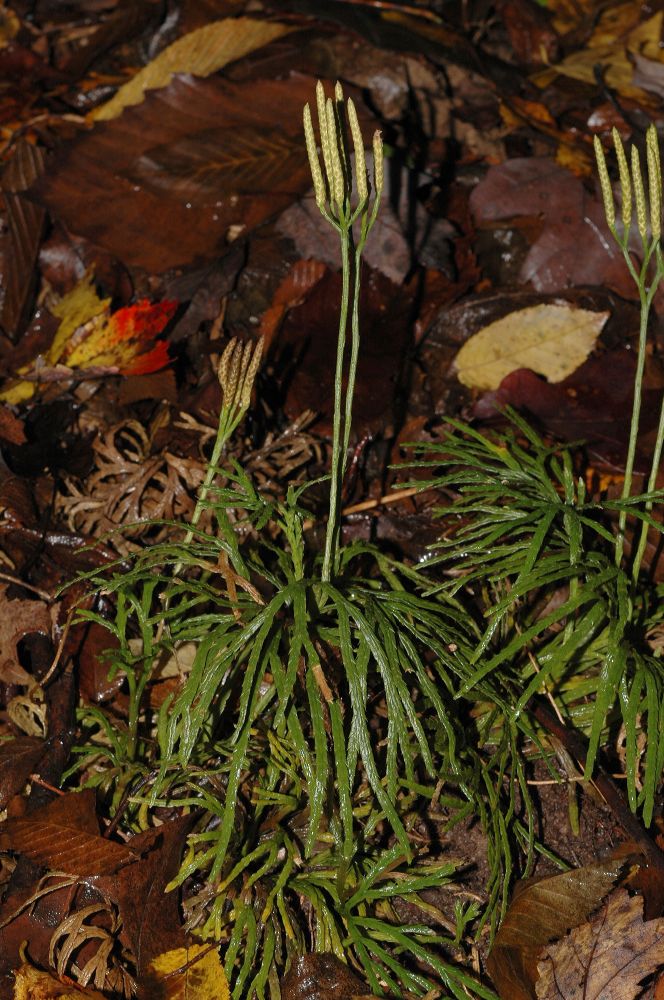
(18, 618)
(133, 481)
(606, 958)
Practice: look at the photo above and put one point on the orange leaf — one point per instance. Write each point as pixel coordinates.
(120, 342)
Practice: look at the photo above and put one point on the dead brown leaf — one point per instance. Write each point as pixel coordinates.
(540, 913)
(25, 222)
(64, 836)
(181, 175)
(18, 759)
(606, 958)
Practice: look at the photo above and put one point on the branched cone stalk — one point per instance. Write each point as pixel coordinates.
(237, 371)
(343, 197)
(645, 201)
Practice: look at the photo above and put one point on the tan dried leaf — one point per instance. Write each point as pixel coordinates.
(200, 53)
(606, 958)
(552, 339)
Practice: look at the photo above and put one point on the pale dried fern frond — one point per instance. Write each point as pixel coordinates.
(131, 485)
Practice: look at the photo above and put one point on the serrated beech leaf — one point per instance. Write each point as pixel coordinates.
(63, 836)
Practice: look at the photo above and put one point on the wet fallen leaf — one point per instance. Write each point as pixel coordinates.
(193, 973)
(320, 976)
(606, 958)
(541, 913)
(200, 53)
(573, 246)
(592, 405)
(166, 183)
(551, 339)
(18, 759)
(151, 919)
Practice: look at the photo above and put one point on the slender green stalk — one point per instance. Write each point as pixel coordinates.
(333, 190)
(237, 370)
(656, 459)
(645, 298)
(340, 428)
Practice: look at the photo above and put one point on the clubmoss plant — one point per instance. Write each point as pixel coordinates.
(647, 277)
(563, 608)
(313, 726)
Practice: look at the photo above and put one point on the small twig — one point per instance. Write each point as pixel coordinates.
(418, 12)
(61, 645)
(396, 497)
(38, 780)
(192, 961)
(44, 594)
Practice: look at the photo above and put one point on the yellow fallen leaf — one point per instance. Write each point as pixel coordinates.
(551, 339)
(9, 26)
(202, 979)
(90, 337)
(32, 984)
(79, 306)
(200, 53)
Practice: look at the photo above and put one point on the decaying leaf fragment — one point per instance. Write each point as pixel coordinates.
(202, 978)
(606, 958)
(551, 339)
(200, 53)
(32, 984)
